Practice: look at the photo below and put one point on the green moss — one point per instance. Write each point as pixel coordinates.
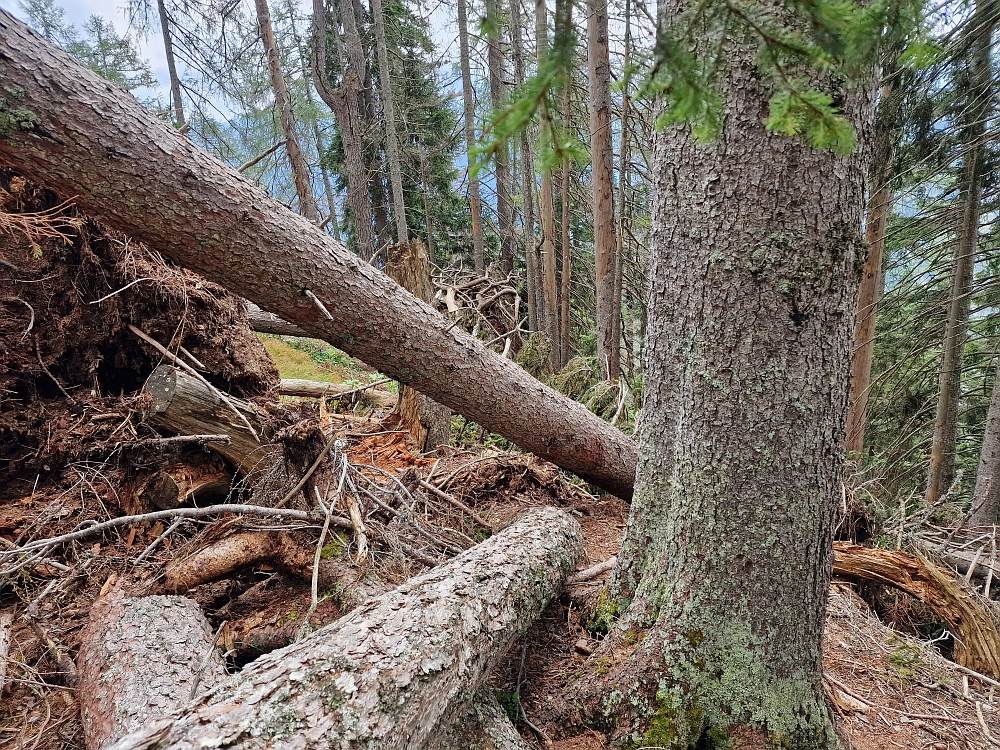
(334, 548)
(534, 355)
(14, 119)
(510, 702)
(602, 666)
(601, 620)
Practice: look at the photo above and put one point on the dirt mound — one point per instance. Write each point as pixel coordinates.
(69, 290)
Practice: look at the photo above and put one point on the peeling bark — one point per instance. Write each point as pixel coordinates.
(396, 672)
(82, 136)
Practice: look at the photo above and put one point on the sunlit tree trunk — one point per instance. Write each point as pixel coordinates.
(283, 102)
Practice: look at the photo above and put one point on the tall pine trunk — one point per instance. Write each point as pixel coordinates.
(601, 156)
(549, 319)
(168, 52)
(986, 497)
(941, 471)
(283, 102)
(722, 579)
(501, 160)
(345, 105)
(566, 274)
(389, 114)
(478, 253)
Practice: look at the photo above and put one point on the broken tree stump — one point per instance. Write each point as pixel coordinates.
(184, 405)
(396, 672)
(141, 659)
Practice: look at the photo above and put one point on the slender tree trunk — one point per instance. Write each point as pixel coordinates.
(986, 497)
(168, 51)
(479, 257)
(501, 161)
(344, 104)
(282, 100)
(527, 174)
(550, 316)
(872, 278)
(941, 472)
(624, 169)
(567, 261)
(83, 138)
(601, 155)
(725, 564)
(391, 135)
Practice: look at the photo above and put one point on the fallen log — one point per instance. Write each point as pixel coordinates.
(66, 128)
(265, 322)
(975, 627)
(396, 672)
(141, 659)
(319, 389)
(184, 405)
(203, 478)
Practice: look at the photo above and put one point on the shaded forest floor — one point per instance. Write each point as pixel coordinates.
(75, 449)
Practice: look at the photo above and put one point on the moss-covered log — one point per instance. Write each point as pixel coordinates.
(398, 671)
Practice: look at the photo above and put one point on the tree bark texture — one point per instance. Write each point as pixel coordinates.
(265, 322)
(344, 103)
(397, 672)
(183, 405)
(566, 274)
(986, 496)
(549, 318)
(319, 389)
(168, 52)
(389, 116)
(601, 158)
(429, 422)
(81, 136)
(755, 263)
(203, 477)
(283, 103)
(478, 252)
(941, 472)
(139, 660)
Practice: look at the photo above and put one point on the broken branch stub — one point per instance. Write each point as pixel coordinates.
(81, 136)
(396, 672)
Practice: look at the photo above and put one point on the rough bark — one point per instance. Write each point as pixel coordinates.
(566, 274)
(396, 672)
(139, 660)
(527, 174)
(83, 137)
(986, 496)
(184, 405)
(872, 278)
(389, 117)
(319, 389)
(478, 253)
(168, 52)
(344, 103)
(485, 726)
(429, 422)
(203, 477)
(941, 471)
(601, 155)
(283, 103)
(723, 573)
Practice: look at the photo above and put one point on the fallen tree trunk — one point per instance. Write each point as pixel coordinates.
(265, 322)
(317, 389)
(184, 405)
(974, 625)
(203, 477)
(397, 672)
(141, 659)
(68, 129)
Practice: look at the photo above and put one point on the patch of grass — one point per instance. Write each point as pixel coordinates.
(294, 363)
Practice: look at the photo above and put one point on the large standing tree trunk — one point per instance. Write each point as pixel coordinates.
(168, 52)
(549, 318)
(478, 253)
(941, 472)
(396, 672)
(283, 102)
(389, 113)
(605, 246)
(726, 559)
(986, 497)
(344, 103)
(83, 137)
